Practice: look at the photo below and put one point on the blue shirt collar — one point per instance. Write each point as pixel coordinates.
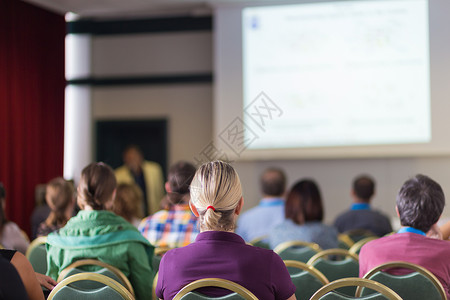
(271, 202)
(410, 229)
(360, 206)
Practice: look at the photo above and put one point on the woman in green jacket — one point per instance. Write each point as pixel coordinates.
(99, 234)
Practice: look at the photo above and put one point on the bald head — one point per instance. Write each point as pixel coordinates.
(273, 182)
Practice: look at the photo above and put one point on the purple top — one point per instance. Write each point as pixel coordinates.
(218, 254)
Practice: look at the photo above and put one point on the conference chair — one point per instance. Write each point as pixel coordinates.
(239, 292)
(419, 283)
(358, 234)
(155, 281)
(109, 289)
(306, 278)
(157, 256)
(345, 241)
(297, 250)
(328, 292)
(260, 242)
(87, 266)
(336, 264)
(356, 248)
(37, 254)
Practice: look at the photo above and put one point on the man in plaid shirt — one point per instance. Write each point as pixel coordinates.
(175, 226)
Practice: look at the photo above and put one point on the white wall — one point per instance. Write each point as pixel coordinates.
(189, 107)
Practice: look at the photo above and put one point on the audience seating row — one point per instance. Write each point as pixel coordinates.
(420, 284)
(310, 277)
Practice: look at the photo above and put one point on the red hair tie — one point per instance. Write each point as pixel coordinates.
(212, 207)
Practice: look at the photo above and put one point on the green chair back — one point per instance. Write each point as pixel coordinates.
(198, 296)
(89, 284)
(333, 295)
(329, 291)
(356, 248)
(156, 260)
(344, 241)
(261, 242)
(307, 279)
(94, 266)
(419, 284)
(37, 255)
(72, 293)
(157, 256)
(337, 269)
(110, 289)
(297, 250)
(359, 234)
(411, 286)
(299, 254)
(237, 291)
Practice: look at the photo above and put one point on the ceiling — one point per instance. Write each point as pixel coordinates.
(124, 8)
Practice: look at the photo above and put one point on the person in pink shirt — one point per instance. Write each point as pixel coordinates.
(419, 204)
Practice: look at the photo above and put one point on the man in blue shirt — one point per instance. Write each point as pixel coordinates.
(361, 215)
(257, 222)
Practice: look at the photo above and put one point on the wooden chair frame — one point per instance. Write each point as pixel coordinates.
(346, 239)
(94, 277)
(360, 282)
(289, 244)
(160, 251)
(216, 282)
(334, 251)
(409, 266)
(310, 269)
(36, 242)
(94, 262)
(155, 281)
(359, 232)
(358, 245)
(258, 239)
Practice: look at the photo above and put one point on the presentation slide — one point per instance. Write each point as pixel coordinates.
(344, 73)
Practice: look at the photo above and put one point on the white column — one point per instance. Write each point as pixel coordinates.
(78, 107)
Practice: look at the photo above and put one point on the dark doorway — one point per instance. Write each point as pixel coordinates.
(114, 135)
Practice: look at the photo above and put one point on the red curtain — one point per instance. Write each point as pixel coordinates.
(31, 103)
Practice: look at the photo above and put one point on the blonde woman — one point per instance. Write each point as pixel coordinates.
(216, 199)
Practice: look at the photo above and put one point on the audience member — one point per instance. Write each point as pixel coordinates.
(11, 236)
(420, 203)
(11, 285)
(216, 198)
(257, 222)
(361, 215)
(97, 233)
(304, 215)
(146, 174)
(27, 284)
(59, 197)
(176, 226)
(128, 203)
(41, 209)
